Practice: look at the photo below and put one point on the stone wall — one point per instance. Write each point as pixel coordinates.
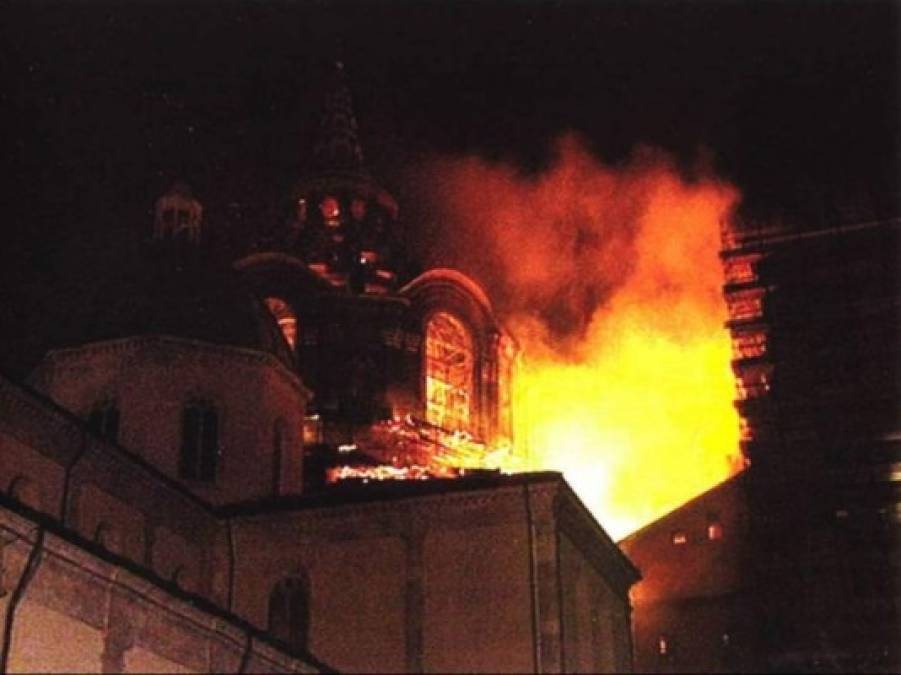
(69, 609)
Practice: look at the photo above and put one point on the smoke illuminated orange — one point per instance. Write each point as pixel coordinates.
(611, 281)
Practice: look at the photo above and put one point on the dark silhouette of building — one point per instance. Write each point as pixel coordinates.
(814, 320)
(195, 476)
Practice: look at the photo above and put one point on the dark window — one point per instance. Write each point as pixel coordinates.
(289, 612)
(104, 421)
(199, 442)
(278, 445)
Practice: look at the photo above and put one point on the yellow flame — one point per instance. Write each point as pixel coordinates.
(641, 419)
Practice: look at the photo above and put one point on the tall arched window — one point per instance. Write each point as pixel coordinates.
(103, 420)
(285, 317)
(449, 368)
(199, 442)
(25, 491)
(289, 612)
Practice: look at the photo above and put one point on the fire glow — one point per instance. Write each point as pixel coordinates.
(610, 279)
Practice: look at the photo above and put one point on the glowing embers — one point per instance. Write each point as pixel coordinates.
(741, 269)
(287, 320)
(448, 373)
(745, 305)
(408, 442)
(382, 472)
(749, 344)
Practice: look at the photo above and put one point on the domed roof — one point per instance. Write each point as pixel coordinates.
(159, 293)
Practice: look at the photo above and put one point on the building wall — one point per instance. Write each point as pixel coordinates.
(695, 595)
(466, 582)
(105, 495)
(66, 609)
(152, 380)
(439, 576)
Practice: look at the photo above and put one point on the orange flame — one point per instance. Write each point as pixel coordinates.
(611, 281)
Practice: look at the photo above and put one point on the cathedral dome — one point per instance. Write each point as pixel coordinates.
(162, 294)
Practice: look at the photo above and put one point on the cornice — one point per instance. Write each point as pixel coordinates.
(60, 359)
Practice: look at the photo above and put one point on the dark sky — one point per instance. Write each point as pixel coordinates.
(105, 103)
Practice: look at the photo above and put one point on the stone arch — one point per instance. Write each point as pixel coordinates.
(26, 491)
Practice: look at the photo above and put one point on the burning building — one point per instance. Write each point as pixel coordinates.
(192, 475)
(792, 565)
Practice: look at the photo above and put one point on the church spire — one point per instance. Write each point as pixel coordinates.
(337, 146)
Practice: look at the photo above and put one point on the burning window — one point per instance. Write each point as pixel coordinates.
(679, 538)
(285, 317)
(745, 305)
(749, 345)
(448, 373)
(742, 269)
(199, 442)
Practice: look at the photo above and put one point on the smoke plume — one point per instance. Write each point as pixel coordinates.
(610, 279)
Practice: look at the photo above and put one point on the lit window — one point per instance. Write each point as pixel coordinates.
(330, 210)
(679, 538)
(104, 420)
(301, 211)
(285, 317)
(312, 430)
(663, 647)
(289, 612)
(714, 528)
(199, 442)
(448, 373)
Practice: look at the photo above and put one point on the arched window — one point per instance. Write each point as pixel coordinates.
(103, 420)
(107, 537)
(287, 320)
(289, 612)
(25, 491)
(199, 442)
(449, 368)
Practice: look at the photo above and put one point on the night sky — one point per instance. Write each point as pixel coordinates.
(105, 104)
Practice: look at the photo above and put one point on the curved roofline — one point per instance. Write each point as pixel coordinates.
(286, 259)
(457, 278)
(268, 256)
(54, 356)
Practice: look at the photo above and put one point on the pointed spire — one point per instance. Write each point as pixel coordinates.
(337, 146)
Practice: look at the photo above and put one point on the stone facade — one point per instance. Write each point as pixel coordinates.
(486, 574)
(171, 470)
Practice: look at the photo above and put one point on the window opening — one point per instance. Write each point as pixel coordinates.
(285, 317)
(200, 442)
(448, 373)
(289, 612)
(714, 529)
(104, 421)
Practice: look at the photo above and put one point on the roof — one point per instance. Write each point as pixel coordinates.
(162, 293)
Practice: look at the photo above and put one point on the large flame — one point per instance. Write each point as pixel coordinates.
(611, 281)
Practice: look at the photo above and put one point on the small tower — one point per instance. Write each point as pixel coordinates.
(343, 221)
(178, 216)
